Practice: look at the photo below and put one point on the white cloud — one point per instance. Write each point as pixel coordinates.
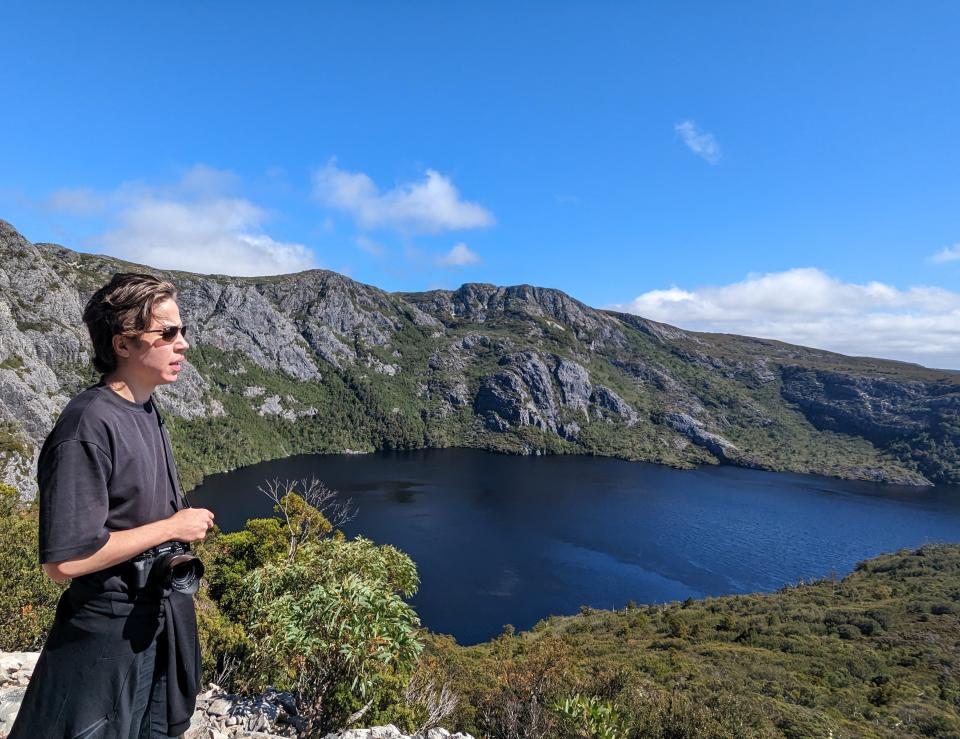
(215, 236)
(459, 256)
(946, 254)
(700, 143)
(191, 226)
(431, 205)
(808, 307)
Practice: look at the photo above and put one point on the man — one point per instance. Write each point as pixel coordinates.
(121, 660)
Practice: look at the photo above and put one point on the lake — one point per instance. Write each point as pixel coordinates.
(504, 539)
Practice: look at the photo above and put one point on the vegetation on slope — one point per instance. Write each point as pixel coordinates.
(872, 655)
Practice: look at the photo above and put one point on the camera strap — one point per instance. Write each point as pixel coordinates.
(179, 499)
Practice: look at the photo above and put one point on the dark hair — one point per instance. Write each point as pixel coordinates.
(123, 306)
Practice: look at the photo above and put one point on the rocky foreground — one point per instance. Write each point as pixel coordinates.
(219, 715)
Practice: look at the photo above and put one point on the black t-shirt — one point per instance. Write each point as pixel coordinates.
(106, 466)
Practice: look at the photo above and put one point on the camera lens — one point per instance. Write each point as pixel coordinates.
(185, 572)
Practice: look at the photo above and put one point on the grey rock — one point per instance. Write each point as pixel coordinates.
(695, 431)
(380, 367)
(10, 700)
(535, 375)
(607, 399)
(220, 707)
(186, 397)
(385, 732)
(574, 382)
(258, 723)
(874, 407)
(271, 407)
(11, 662)
(458, 394)
(481, 303)
(505, 398)
(569, 430)
(236, 317)
(502, 400)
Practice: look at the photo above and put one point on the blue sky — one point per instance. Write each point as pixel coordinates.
(784, 170)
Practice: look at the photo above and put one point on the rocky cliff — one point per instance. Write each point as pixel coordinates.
(315, 362)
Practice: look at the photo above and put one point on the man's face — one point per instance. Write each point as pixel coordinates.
(153, 361)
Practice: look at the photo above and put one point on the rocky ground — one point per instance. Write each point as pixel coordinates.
(219, 715)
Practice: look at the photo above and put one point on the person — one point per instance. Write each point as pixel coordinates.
(122, 658)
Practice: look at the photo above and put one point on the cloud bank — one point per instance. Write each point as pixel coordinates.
(193, 225)
(431, 205)
(700, 143)
(808, 307)
(220, 236)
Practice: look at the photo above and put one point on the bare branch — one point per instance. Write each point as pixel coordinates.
(226, 670)
(439, 703)
(317, 495)
(357, 715)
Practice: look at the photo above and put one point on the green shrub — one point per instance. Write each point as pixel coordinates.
(332, 625)
(28, 597)
(589, 717)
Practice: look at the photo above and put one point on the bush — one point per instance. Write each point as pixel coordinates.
(28, 597)
(527, 679)
(654, 714)
(848, 631)
(589, 717)
(332, 625)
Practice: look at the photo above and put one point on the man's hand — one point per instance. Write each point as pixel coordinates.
(190, 524)
(187, 524)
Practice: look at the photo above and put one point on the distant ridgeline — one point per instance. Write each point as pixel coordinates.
(315, 362)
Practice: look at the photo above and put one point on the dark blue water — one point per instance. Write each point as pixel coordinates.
(501, 539)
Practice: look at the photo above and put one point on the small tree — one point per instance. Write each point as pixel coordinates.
(331, 624)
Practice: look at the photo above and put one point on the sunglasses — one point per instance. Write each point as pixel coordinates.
(169, 333)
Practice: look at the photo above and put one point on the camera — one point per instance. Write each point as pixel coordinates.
(167, 565)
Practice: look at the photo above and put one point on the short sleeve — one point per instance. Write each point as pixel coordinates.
(74, 501)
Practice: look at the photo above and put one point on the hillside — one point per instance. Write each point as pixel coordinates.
(315, 362)
(873, 655)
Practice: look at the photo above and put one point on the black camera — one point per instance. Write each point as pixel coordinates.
(167, 565)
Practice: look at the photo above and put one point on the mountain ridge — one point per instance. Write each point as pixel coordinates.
(316, 362)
